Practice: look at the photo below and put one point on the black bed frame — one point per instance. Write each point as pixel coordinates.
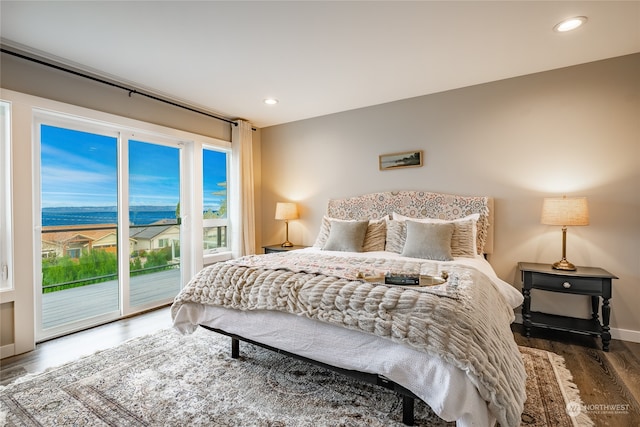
(408, 398)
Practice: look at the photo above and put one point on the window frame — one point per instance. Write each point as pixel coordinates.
(188, 143)
(6, 223)
(20, 300)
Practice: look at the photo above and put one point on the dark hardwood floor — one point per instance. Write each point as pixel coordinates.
(604, 379)
(70, 347)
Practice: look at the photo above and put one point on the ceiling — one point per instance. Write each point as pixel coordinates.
(316, 58)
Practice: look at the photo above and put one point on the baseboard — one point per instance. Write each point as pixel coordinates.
(616, 333)
(625, 335)
(7, 350)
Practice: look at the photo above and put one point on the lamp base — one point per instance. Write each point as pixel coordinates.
(563, 264)
(287, 243)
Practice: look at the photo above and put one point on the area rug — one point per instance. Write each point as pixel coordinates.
(166, 379)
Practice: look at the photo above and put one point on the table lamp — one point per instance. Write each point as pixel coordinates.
(565, 211)
(286, 211)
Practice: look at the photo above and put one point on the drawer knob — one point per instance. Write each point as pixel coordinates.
(566, 285)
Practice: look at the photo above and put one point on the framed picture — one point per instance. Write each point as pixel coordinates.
(408, 159)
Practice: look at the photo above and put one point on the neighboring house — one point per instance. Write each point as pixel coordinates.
(156, 236)
(72, 240)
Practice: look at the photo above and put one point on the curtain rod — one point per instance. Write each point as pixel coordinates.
(116, 85)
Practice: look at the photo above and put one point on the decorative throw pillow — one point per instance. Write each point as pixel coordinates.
(396, 236)
(428, 241)
(323, 234)
(373, 240)
(346, 236)
(464, 239)
(375, 237)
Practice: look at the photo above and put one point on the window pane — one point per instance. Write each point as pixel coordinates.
(79, 190)
(5, 199)
(154, 230)
(214, 199)
(154, 183)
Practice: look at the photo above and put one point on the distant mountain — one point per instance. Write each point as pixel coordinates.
(137, 208)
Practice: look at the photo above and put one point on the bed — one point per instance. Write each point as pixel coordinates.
(445, 340)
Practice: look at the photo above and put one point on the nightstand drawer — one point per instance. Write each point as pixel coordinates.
(567, 284)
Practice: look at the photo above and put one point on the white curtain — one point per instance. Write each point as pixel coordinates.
(243, 229)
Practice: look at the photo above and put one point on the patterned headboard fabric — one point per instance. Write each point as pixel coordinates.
(419, 204)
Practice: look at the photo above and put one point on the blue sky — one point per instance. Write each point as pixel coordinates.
(215, 173)
(154, 174)
(80, 169)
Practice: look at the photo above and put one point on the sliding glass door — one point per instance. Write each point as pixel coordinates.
(110, 238)
(154, 223)
(79, 206)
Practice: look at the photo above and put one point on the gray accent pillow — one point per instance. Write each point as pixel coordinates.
(463, 241)
(346, 236)
(428, 241)
(373, 241)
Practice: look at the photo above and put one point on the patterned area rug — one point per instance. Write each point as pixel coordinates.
(166, 379)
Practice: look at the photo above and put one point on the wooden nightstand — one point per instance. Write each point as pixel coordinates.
(278, 248)
(591, 281)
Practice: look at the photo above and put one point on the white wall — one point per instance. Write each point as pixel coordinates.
(573, 131)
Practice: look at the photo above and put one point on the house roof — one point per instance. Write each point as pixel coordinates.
(147, 232)
(153, 230)
(68, 233)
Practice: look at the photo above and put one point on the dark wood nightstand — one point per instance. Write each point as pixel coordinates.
(279, 248)
(591, 281)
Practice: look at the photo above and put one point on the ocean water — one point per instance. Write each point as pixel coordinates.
(138, 215)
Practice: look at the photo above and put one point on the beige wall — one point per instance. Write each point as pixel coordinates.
(573, 131)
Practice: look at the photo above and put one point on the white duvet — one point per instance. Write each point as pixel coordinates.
(445, 388)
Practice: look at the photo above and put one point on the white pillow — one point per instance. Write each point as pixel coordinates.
(465, 233)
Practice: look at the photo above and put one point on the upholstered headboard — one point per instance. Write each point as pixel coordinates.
(419, 204)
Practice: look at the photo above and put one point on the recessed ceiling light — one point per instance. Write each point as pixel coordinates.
(271, 101)
(570, 24)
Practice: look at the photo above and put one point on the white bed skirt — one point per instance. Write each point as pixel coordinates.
(444, 387)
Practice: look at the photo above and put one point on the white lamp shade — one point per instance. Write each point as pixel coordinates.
(565, 211)
(286, 211)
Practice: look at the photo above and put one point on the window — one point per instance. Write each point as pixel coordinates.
(136, 213)
(5, 197)
(112, 201)
(214, 200)
(78, 216)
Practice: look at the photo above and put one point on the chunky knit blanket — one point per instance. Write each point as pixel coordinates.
(464, 321)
